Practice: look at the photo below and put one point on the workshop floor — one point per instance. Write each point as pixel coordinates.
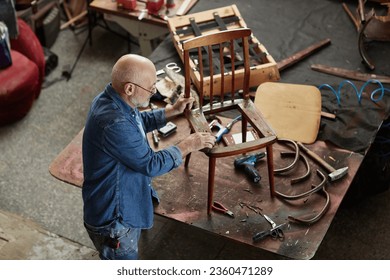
(41, 217)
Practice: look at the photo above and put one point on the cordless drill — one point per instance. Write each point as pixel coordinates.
(248, 163)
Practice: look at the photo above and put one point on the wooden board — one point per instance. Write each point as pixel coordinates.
(293, 111)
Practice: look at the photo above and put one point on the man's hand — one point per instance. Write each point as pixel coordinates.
(179, 106)
(195, 142)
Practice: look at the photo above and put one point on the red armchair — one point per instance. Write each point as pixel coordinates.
(21, 83)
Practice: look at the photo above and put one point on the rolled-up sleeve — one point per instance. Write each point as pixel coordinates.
(154, 119)
(176, 155)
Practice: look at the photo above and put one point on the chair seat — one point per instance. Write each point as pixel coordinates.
(199, 123)
(19, 88)
(246, 147)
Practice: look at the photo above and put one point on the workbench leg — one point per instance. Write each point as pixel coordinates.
(270, 164)
(212, 163)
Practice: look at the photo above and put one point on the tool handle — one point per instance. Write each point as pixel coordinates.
(316, 157)
(220, 133)
(260, 235)
(252, 173)
(236, 119)
(155, 137)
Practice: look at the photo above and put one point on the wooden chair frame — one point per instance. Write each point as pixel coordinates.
(244, 105)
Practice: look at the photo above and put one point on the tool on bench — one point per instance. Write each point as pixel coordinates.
(217, 206)
(334, 174)
(275, 232)
(172, 66)
(154, 132)
(223, 129)
(248, 163)
(179, 81)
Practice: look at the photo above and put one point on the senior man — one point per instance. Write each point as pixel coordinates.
(118, 162)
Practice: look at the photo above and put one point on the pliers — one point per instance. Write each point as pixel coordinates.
(217, 206)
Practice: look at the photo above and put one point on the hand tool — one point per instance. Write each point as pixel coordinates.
(221, 129)
(168, 129)
(178, 79)
(275, 232)
(172, 66)
(248, 163)
(217, 206)
(334, 174)
(154, 132)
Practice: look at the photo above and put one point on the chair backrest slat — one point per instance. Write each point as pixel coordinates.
(233, 69)
(201, 83)
(245, 47)
(222, 66)
(222, 40)
(211, 64)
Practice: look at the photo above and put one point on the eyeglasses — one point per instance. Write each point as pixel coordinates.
(151, 92)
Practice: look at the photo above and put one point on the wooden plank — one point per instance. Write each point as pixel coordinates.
(73, 20)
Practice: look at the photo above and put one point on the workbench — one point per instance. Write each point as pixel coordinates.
(147, 29)
(284, 27)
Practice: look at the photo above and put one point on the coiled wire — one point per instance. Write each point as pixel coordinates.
(381, 89)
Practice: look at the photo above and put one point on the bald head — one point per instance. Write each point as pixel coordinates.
(132, 68)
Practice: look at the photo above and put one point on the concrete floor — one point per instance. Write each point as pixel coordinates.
(44, 215)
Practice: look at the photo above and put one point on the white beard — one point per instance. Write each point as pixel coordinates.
(137, 104)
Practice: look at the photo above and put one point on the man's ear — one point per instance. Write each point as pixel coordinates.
(129, 88)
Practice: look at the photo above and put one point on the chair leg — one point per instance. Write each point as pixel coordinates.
(212, 163)
(244, 128)
(362, 48)
(187, 160)
(270, 164)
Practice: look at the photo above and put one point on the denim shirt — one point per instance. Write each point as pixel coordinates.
(119, 163)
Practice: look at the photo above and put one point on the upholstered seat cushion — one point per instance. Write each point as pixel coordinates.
(28, 44)
(19, 86)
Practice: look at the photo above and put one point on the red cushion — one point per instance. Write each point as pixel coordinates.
(28, 44)
(19, 86)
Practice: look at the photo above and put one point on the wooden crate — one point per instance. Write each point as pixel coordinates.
(263, 66)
